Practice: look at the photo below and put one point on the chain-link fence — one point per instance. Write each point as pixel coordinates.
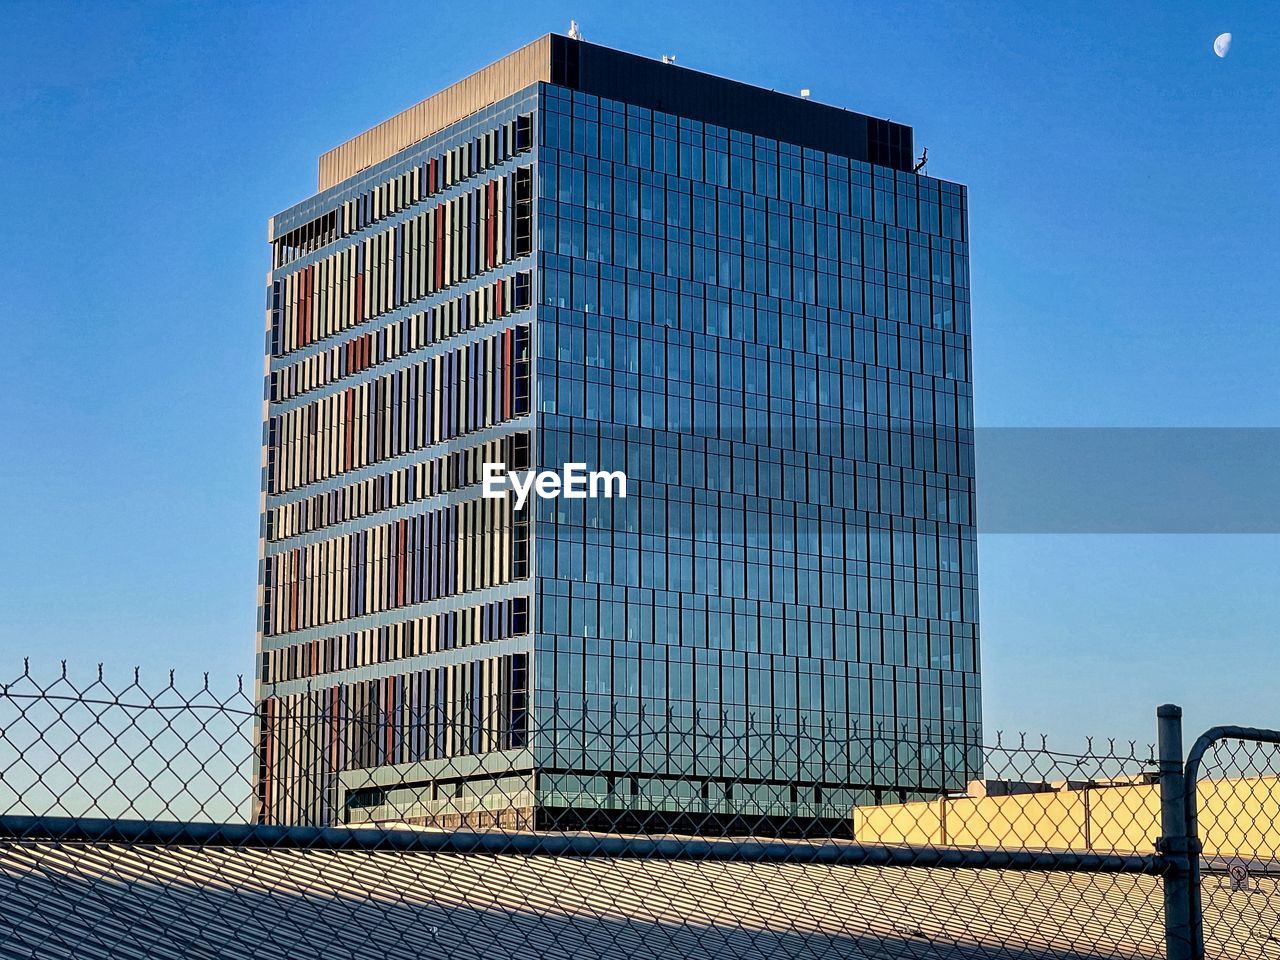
(1233, 809)
(141, 820)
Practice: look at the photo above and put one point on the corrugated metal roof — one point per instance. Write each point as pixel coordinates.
(102, 900)
(99, 900)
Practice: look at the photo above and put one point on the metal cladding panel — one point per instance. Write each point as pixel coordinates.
(728, 103)
(633, 79)
(500, 79)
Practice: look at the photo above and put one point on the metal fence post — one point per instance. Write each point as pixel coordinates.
(1174, 844)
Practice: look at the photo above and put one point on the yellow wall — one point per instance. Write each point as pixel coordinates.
(1057, 820)
(1237, 818)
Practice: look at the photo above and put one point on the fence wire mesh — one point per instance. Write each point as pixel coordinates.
(166, 820)
(1237, 801)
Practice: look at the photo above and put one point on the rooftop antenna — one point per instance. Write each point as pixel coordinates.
(575, 32)
(922, 162)
(668, 58)
(806, 93)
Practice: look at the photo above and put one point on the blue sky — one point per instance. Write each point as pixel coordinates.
(1123, 212)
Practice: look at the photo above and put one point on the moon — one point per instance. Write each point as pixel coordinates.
(1222, 45)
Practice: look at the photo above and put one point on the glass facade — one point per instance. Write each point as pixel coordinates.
(773, 343)
(780, 619)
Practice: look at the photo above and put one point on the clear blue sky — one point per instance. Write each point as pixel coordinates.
(1124, 210)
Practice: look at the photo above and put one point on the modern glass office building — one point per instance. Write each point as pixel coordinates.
(748, 303)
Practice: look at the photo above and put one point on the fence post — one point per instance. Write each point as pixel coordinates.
(1174, 844)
